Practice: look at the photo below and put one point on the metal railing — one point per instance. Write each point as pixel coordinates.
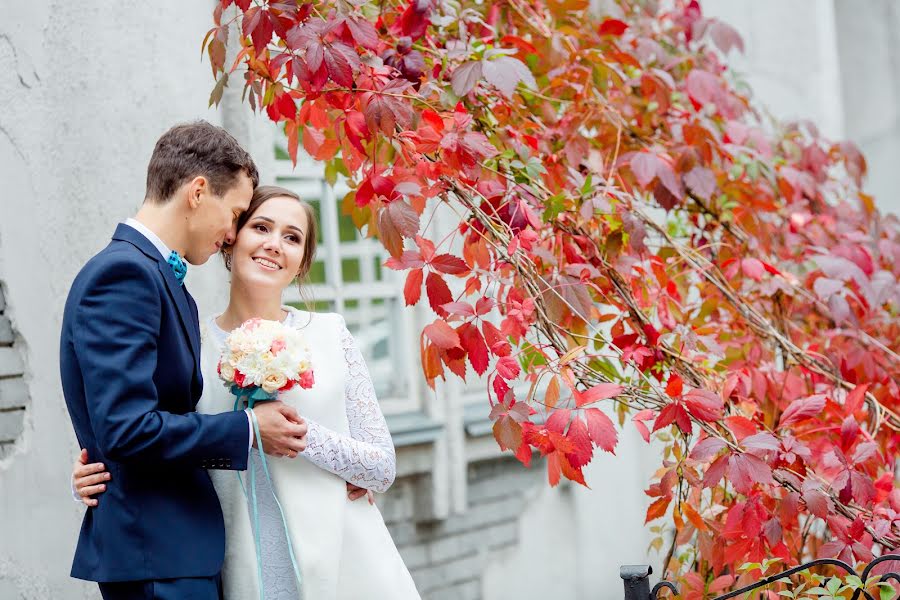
(636, 579)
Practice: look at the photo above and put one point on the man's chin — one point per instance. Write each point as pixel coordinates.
(196, 260)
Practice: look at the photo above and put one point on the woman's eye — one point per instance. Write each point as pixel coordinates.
(260, 227)
(293, 238)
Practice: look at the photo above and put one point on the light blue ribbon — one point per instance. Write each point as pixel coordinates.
(254, 394)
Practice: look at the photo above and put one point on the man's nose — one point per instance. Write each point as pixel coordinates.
(231, 235)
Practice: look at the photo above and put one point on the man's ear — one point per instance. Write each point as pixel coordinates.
(197, 189)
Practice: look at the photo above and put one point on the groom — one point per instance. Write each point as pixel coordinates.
(129, 361)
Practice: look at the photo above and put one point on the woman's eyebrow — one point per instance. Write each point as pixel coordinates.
(268, 220)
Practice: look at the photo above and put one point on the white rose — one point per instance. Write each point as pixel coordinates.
(226, 371)
(274, 382)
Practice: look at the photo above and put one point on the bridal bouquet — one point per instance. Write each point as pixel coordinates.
(262, 358)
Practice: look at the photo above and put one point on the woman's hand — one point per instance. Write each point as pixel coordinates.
(88, 479)
(355, 493)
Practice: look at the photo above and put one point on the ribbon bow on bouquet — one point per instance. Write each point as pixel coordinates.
(260, 360)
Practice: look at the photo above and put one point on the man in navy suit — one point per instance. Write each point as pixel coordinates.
(129, 361)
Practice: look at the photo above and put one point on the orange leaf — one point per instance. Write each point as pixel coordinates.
(508, 433)
(551, 397)
(657, 509)
(693, 516)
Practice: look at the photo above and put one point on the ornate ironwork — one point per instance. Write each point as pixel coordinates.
(636, 579)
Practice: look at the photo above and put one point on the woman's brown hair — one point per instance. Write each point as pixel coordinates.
(267, 192)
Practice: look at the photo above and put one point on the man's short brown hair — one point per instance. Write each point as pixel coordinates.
(193, 149)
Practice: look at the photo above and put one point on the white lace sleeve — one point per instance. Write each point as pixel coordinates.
(366, 457)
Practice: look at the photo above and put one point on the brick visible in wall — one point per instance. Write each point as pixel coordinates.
(447, 557)
(13, 392)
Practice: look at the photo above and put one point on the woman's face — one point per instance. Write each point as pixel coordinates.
(268, 250)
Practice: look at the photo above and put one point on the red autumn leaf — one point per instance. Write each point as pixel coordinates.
(339, 67)
(415, 19)
(745, 470)
(657, 509)
(855, 399)
(581, 443)
(601, 391)
(715, 471)
(761, 441)
(740, 426)
(508, 433)
(612, 27)
(508, 367)
(675, 386)
(701, 182)
(817, 501)
(449, 264)
(707, 448)
(412, 290)
(802, 408)
(704, 404)
(472, 341)
(702, 87)
(638, 420)
(676, 413)
(601, 429)
(410, 259)
(461, 309)
(644, 166)
(438, 293)
(389, 234)
(442, 335)
(405, 218)
(752, 268)
(557, 420)
(363, 32)
(484, 305)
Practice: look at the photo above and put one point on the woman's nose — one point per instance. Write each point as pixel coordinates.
(272, 243)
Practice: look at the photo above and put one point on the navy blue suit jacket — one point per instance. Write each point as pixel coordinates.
(129, 361)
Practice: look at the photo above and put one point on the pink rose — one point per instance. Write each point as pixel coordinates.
(307, 380)
(277, 346)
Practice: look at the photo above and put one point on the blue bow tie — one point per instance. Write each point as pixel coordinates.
(179, 267)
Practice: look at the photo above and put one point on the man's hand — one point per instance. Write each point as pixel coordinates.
(88, 479)
(355, 493)
(283, 431)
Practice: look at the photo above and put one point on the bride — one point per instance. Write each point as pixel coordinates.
(342, 547)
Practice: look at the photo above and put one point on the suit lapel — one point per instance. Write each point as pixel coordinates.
(128, 234)
(179, 295)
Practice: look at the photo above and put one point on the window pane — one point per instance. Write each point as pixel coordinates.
(317, 272)
(350, 267)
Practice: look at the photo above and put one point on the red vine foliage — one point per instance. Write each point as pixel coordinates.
(635, 239)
